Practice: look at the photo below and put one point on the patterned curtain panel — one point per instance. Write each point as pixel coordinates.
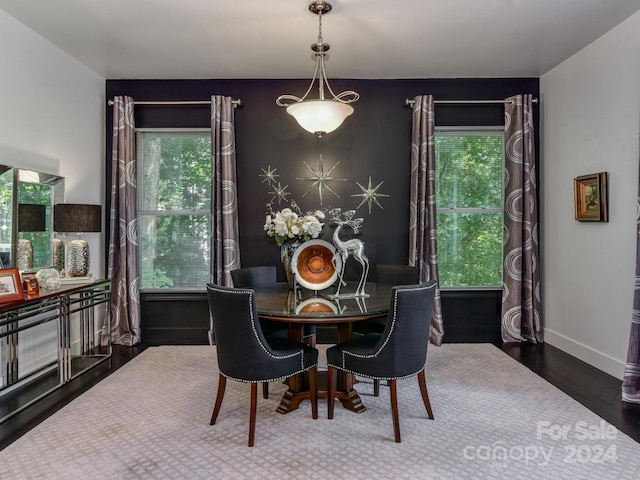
(226, 246)
(123, 240)
(423, 249)
(521, 313)
(631, 381)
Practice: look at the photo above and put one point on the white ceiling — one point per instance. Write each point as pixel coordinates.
(172, 39)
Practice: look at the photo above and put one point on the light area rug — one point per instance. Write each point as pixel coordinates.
(493, 419)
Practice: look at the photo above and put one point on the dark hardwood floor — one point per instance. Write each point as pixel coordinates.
(599, 392)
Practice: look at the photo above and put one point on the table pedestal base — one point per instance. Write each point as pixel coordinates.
(299, 384)
(348, 397)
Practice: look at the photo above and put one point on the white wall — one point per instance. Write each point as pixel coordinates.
(51, 118)
(590, 113)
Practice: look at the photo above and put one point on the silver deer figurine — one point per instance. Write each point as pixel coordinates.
(353, 247)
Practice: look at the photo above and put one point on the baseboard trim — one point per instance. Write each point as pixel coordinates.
(596, 359)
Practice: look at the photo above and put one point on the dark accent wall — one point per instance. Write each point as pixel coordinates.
(374, 141)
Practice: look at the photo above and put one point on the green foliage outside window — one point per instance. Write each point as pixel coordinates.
(174, 210)
(469, 207)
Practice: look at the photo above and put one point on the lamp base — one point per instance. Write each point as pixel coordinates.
(77, 258)
(57, 254)
(24, 254)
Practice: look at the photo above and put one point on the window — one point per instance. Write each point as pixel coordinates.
(174, 208)
(469, 165)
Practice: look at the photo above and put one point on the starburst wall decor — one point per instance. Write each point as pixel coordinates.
(321, 181)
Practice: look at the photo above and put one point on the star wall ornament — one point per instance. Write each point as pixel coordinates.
(369, 195)
(269, 175)
(321, 179)
(279, 193)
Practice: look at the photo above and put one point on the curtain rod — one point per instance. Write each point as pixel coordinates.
(235, 103)
(409, 103)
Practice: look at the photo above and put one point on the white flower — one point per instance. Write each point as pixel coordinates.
(288, 224)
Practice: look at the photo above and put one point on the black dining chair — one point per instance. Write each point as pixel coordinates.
(245, 355)
(399, 352)
(252, 276)
(248, 277)
(388, 274)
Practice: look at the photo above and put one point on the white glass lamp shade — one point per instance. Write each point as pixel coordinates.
(320, 116)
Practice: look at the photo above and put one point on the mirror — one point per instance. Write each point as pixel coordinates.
(27, 191)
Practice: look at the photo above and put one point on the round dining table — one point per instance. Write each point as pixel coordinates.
(299, 307)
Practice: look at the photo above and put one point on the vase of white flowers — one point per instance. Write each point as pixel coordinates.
(290, 227)
(287, 249)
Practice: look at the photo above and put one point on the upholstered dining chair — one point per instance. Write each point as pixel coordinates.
(388, 274)
(245, 355)
(399, 352)
(248, 277)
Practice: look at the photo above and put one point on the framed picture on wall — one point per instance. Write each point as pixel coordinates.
(10, 285)
(590, 198)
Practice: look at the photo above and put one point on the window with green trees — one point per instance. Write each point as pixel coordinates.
(174, 208)
(469, 164)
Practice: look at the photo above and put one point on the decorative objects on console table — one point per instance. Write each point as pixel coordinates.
(57, 254)
(319, 116)
(77, 218)
(31, 218)
(10, 285)
(48, 278)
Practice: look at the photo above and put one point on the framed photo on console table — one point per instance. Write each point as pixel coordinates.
(590, 198)
(10, 285)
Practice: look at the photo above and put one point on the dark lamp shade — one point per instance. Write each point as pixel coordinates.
(77, 218)
(31, 217)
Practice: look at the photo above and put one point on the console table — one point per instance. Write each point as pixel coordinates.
(72, 309)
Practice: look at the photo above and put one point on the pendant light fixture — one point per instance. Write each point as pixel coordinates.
(323, 115)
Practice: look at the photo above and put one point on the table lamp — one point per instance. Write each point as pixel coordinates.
(77, 218)
(31, 218)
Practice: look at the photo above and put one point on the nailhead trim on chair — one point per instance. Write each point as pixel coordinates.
(393, 323)
(255, 333)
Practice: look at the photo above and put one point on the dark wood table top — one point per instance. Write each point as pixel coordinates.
(277, 302)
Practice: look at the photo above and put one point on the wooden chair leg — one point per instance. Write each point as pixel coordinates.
(376, 388)
(331, 390)
(394, 410)
(252, 413)
(222, 383)
(425, 395)
(265, 390)
(313, 390)
(311, 340)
